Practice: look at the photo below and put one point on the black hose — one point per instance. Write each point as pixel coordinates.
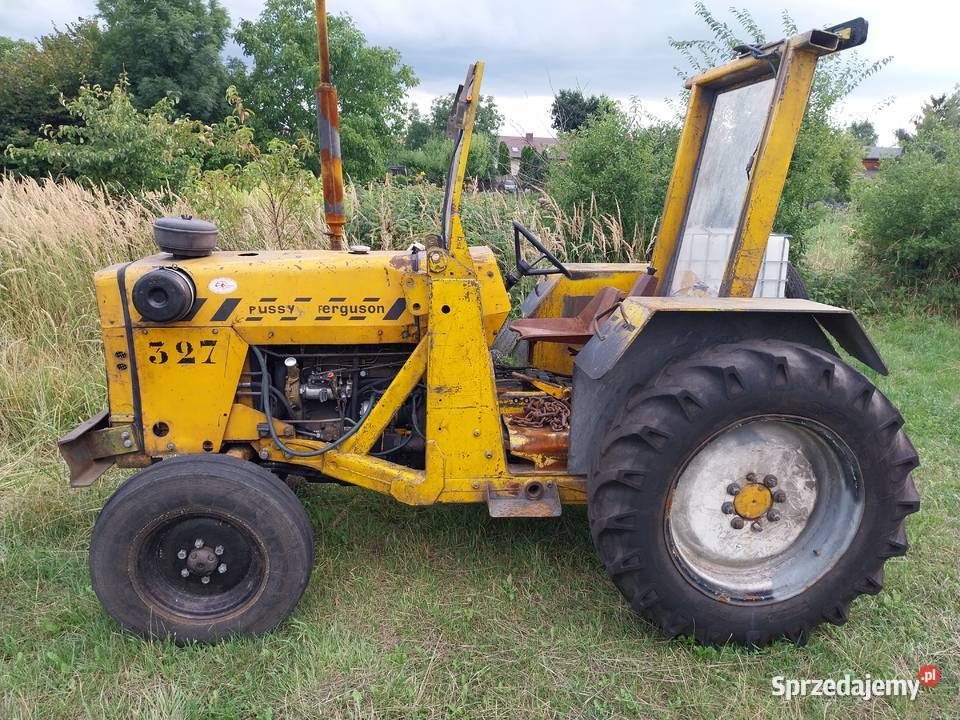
(406, 441)
(268, 411)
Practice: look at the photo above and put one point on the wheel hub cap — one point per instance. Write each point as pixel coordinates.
(753, 501)
(202, 561)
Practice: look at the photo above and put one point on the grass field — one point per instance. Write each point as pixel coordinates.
(431, 612)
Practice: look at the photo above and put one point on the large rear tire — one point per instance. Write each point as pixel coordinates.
(198, 548)
(750, 492)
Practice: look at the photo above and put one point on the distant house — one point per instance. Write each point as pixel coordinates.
(873, 154)
(516, 143)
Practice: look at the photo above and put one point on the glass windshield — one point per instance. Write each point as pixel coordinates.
(726, 161)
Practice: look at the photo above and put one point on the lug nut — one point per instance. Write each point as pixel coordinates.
(184, 573)
(756, 526)
(773, 515)
(727, 508)
(737, 523)
(222, 568)
(182, 554)
(751, 477)
(205, 579)
(770, 481)
(733, 489)
(198, 543)
(218, 550)
(779, 496)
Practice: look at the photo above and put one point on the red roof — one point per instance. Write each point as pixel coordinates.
(515, 143)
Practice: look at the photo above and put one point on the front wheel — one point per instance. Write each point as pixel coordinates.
(201, 547)
(751, 492)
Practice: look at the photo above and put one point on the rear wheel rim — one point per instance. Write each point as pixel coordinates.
(198, 565)
(764, 509)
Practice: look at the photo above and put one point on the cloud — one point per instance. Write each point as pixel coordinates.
(617, 47)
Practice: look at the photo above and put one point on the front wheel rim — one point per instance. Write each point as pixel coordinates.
(764, 509)
(198, 565)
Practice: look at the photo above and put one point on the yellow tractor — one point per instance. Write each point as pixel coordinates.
(743, 482)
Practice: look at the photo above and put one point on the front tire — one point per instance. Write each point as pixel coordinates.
(751, 492)
(198, 548)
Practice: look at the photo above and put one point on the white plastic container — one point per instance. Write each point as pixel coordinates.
(703, 259)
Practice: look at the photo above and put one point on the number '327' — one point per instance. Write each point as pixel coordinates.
(184, 353)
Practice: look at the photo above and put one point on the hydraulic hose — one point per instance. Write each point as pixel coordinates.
(267, 410)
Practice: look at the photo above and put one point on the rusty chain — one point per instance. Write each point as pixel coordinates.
(544, 412)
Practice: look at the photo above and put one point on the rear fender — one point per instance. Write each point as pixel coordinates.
(646, 333)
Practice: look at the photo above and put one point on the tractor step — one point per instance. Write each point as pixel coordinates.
(535, 498)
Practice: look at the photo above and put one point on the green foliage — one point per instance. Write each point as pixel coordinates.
(864, 132)
(279, 86)
(571, 109)
(826, 157)
(503, 159)
(269, 188)
(911, 214)
(939, 115)
(488, 121)
(114, 144)
(418, 130)
(32, 77)
(168, 49)
(618, 167)
(533, 166)
(431, 161)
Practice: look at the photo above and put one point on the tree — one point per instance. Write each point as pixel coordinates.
(488, 121)
(32, 78)
(503, 159)
(571, 109)
(939, 113)
(372, 83)
(864, 132)
(533, 165)
(418, 131)
(615, 167)
(910, 214)
(168, 48)
(110, 142)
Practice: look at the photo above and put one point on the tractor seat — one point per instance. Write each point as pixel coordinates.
(579, 329)
(575, 330)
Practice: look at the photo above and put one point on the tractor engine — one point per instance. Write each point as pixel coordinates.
(323, 391)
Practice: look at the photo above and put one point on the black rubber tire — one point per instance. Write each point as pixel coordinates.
(251, 497)
(661, 425)
(795, 287)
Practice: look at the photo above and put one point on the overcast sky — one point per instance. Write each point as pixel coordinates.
(618, 47)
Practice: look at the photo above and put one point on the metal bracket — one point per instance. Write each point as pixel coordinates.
(90, 448)
(535, 499)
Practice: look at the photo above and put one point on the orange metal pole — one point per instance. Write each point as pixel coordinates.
(328, 131)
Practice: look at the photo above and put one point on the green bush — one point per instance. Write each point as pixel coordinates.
(911, 214)
(617, 167)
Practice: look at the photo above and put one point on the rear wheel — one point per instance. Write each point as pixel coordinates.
(201, 547)
(751, 492)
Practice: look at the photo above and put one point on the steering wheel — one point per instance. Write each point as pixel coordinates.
(525, 269)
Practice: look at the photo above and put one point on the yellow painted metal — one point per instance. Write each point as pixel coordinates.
(403, 384)
(459, 249)
(753, 501)
(790, 97)
(243, 424)
(188, 377)
(681, 180)
(797, 58)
